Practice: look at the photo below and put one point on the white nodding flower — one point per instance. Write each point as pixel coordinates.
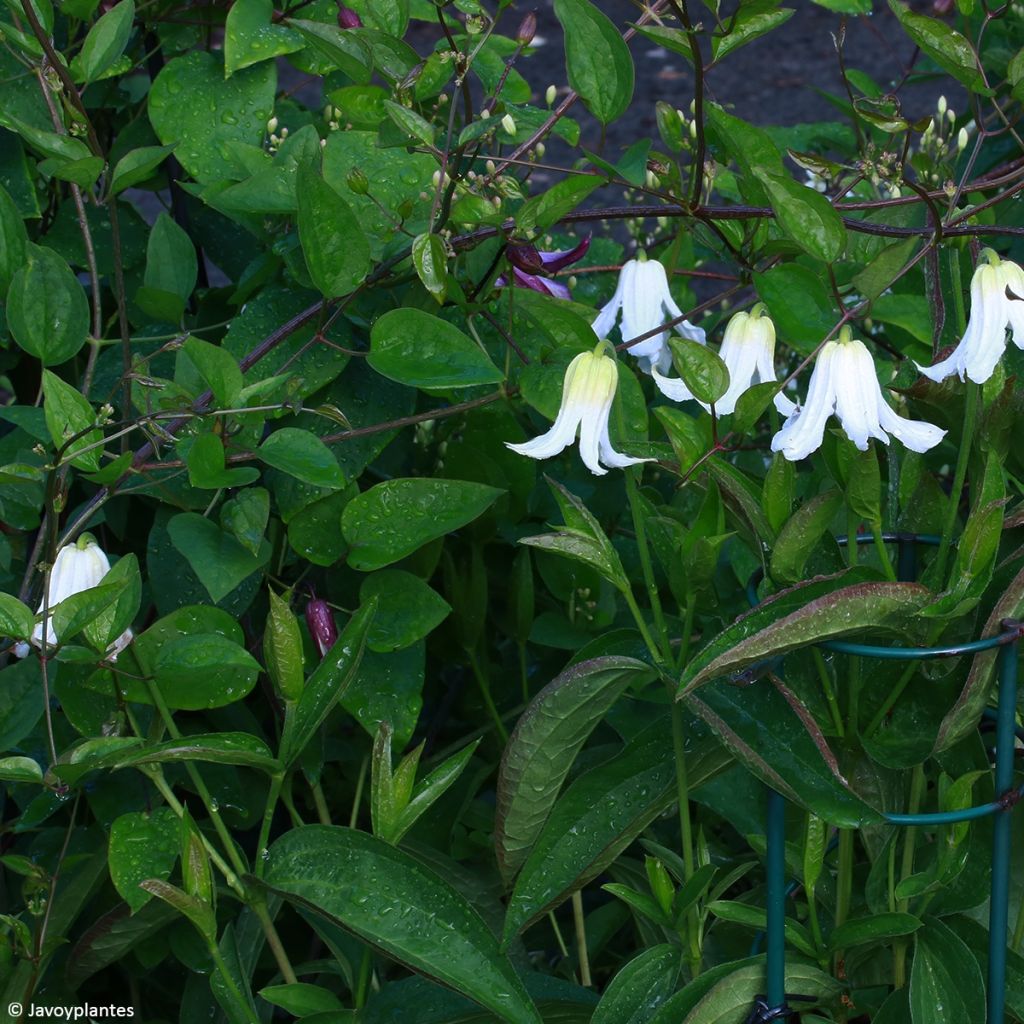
(587, 395)
(643, 298)
(992, 312)
(77, 567)
(844, 383)
(748, 350)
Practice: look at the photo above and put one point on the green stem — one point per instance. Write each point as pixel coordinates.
(358, 798)
(685, 830)
(229, 984)
(890, 700)
(883, 551)
(812, 917)
(363, 982)
(646, 565)
(959, 475)
(562, 947)
(523, 675)
(638, 617)
(581, 939)
(284, 965)
(829, 690)
(276, 781)
(485, 691)
(844, 871)
(917, 788)
(320, 803)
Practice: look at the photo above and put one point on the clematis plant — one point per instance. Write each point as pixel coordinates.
(530, 265)
(588, 391)
(997, 305)
(844, 383)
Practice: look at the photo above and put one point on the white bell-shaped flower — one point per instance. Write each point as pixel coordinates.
(643, 298)
(992, 312)
(587, 395)
(77, 567)
(844, 382)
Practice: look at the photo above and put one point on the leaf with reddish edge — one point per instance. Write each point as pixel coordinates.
(544, 745)
(963, 717)
(848, 610)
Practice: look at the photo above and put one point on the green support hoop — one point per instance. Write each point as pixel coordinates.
(774, 1007)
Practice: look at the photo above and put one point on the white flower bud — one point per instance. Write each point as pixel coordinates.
(541, 149)
(961, 140)
(509, 124)
(550, 94)
(942, 106)
(490, 166)
(272, 125)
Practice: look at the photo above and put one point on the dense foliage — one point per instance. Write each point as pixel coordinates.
(323, 696)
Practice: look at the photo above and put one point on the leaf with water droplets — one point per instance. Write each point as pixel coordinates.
(142, 846)
(392, 901)
(250, 36)
(637, 991)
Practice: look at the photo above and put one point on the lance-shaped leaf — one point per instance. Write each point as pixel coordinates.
(639, 988)
(407, 911)
(767, 728)
(544, 745)
(962, 718)
(853, 609)
(600, 814)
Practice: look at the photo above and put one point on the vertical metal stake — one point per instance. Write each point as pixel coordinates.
(775, 989)
(1000, 892)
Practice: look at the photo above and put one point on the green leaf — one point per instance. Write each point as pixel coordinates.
(205, 456)
(21, 701)
(423, 351)
(432, 788)
(544, 745)
(204, 670)
(397, 517)
(104, 43)
(756, 917)
(300, 999)
(20, 769)
(541, 212)
(13, 240)
(599, 815)
(704, 371)
(431, 263)
(191, 105)
(806, 216)
(106, 627)
(798, 303)
(218, 367)
(846, 6)
(407, 609)
(250, 36)
(60, 148)
(799, 537)
(246, 516)
(409, 122)
(220, 562)
(137, 166)
(841, 612)
(68, 413)
(391, 901)
(326, 685)
(282, 649)
(877, 928)
(201, 916)
(302, 455)
(336, 249)
(47, 311)
(171, 267)
(340, 48)
(639, 988)
(142, 846)
(751, 21)
(599, 62)
(74, 613)
(945, 981)
(947, 47)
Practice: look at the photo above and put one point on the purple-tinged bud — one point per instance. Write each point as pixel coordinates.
(562, 258)
(320, 621)
(524, 256)
(527, 29)
(347, 18)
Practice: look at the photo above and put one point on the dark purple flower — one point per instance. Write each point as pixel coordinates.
(347, 18)
(320, 621)
(529, 262)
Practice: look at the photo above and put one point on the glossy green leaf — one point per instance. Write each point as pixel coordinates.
(68, 413)
(137, 166)
(800, 535)
(326, 685)
(13, 240)
(250, 36)
(142, 846)
(599, 62)
(806, 216)
(639, 988)
(282, 648)
(204, 670)
(424, 351)
(336, 249)
(301, 999)
(751, 21)
(302, 455)
(756, 917)
(218, 368)
(407, 609)
(395, 518)
(74, 613)
(877, 928)
(171, 268)
(945, 981)
(20, 769)
(47, 311)
(220, 562)
(105, 42)
(704, 372)
(947, 47)
(191, 105)
(544, 745)
(110, 623)
(393, 902)
(544, 210)
(431, 263)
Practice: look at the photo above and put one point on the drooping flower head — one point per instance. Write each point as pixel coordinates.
(588, 391)
(844, 382)
(997, 303)
(322, 628)
(529, 264)
(77, 567)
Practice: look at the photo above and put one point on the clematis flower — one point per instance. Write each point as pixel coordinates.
(844, 383)
(529, 263)
(748, 350)
(644, 300)
(992, 312)
(320, 620)
(587, 394)
(77, 567)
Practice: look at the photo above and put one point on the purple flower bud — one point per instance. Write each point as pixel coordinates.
(347, 18)
(527, 29)
(524, 256)
(560, 259)
(320, 621)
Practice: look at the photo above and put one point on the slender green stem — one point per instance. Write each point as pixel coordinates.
(638, 617)
(812, 917)
(581, 939)
(562, 947)
(685, 831)
(274, 793)
(844, 871)
(358, 798)
(284, 965)
(485, 691)
(971, 404)
(890, 699)
(1018, 930)
(646, 565)
(523, 675)
(229, 983)
(363, 982)
(917, 788)
(829, 690)
(320, 803)
(883, 551)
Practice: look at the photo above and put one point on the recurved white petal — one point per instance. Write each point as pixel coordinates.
(916, 435)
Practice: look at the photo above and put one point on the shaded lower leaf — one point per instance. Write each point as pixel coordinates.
(637, 991)
(946, 986)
